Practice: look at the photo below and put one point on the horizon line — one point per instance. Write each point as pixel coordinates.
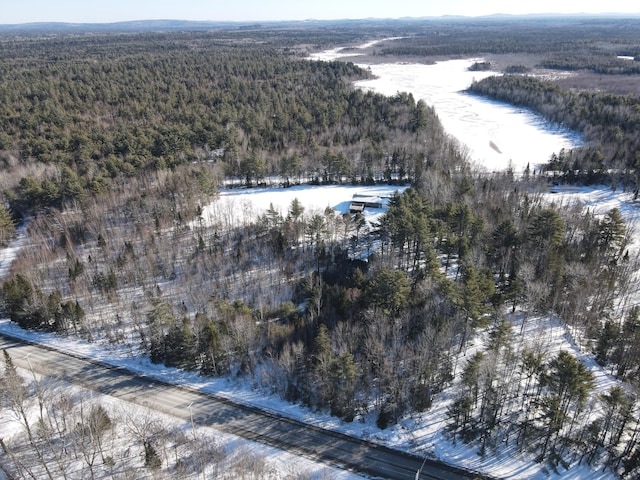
(346, 19)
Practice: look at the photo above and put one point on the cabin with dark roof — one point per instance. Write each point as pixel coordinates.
(356, 207)
(360, 202)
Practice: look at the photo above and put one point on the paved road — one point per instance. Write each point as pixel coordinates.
(249, 422)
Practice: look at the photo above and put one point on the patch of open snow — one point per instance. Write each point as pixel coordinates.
(244, 205)
(342, 52)
(599, 200)
(9, 254)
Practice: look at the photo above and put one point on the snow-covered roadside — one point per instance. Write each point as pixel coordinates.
(281, 463)
(238, 452)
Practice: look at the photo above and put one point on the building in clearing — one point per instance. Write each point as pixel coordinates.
(360, 202)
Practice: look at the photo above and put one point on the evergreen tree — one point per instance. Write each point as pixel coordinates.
(7, 226)
(504, 241)
(546, 232)
(17, 294)
(419, 118)
(389, 290)
(568, 382)
(14, 390)
(343, 376)
(618, 410)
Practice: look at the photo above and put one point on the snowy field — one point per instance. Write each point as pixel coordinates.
(243, 205)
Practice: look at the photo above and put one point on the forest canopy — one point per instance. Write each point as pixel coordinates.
(121, 106)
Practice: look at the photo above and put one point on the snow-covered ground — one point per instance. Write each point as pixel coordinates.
(8, 254)
(242, 205)
(238, 452)
(599, 200)
(420, 433)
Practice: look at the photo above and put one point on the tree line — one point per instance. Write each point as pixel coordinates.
(607, 122)
(559, 43)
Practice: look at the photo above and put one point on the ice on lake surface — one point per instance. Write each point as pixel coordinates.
(496, 135)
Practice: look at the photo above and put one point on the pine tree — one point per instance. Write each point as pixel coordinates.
(389, 290)
(7, 226)
(152, 459)
(546, 232)
(320, 366)
(612, 236)
(419, 119)
(343, 375)
(212, 360)
(608, 338)
(322, 345)
(18, 295)
(568, 382)
(504, 241)
(618, 410)
(14, 390)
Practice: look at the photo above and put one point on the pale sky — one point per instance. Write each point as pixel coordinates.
(101, 11)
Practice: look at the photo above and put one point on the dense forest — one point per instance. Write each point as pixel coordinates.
(136, 112)
(563, 43)
(110, 147)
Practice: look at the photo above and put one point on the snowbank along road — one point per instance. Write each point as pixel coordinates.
(249, 422)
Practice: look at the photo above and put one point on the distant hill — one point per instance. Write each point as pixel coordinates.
(130, 26)
(179, 25)
(174, 25)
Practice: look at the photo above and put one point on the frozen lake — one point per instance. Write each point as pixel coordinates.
(495, 134)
